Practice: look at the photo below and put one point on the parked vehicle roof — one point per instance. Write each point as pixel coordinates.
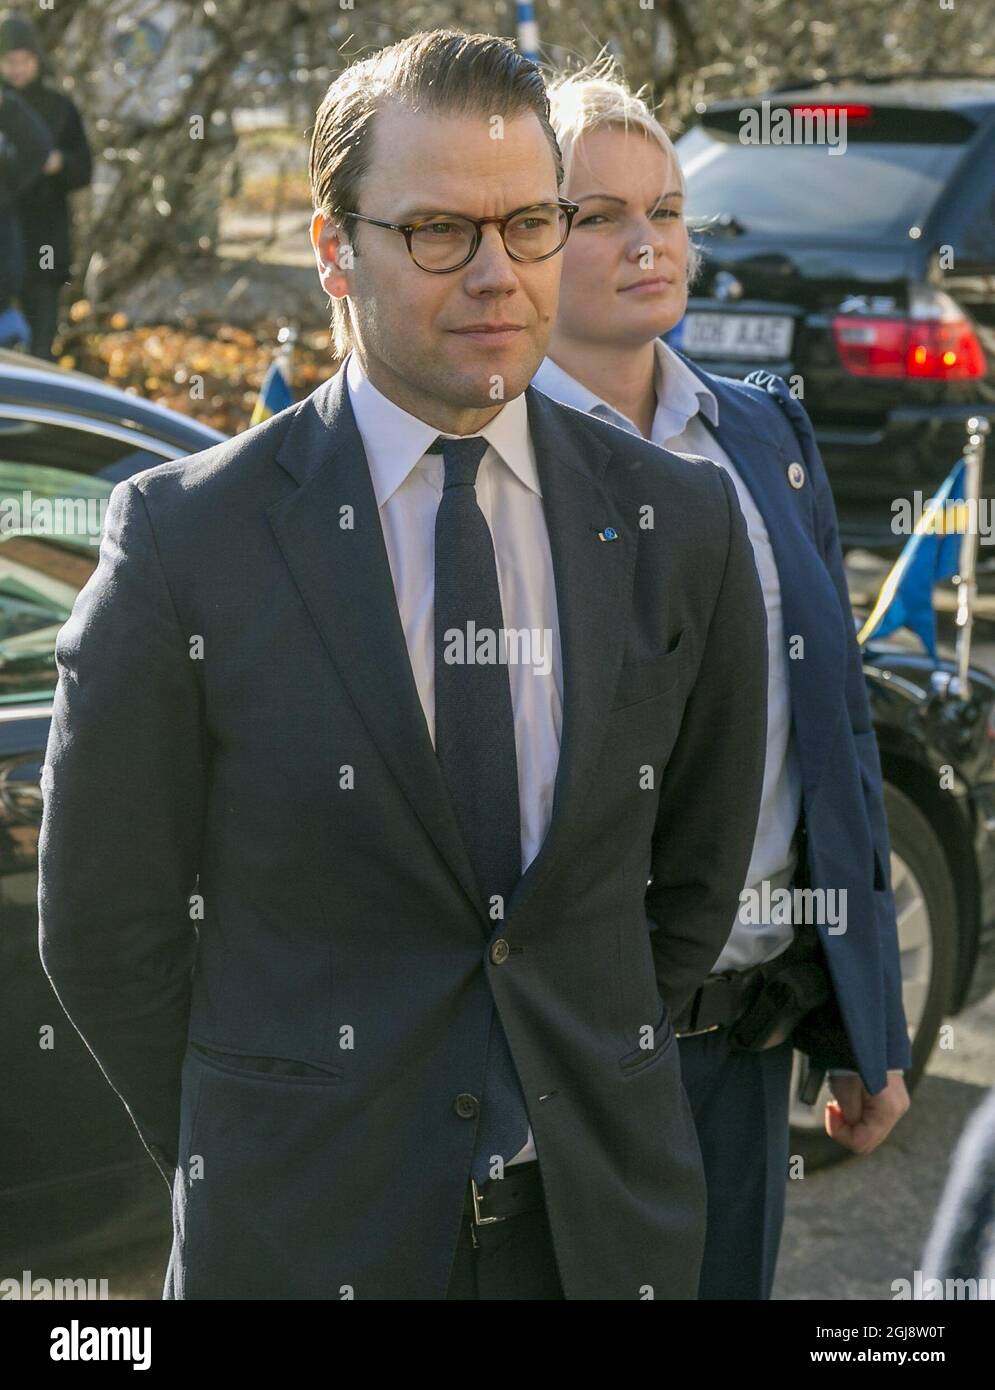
(968, 94)
(26, 380)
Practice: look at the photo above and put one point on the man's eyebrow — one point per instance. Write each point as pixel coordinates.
(430, 210)
(611, 198)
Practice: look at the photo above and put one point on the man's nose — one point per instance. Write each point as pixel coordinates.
(491, 267)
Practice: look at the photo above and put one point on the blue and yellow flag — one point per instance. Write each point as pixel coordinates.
(932, 552)
(274, 394)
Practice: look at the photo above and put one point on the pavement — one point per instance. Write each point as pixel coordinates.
(852, 1229)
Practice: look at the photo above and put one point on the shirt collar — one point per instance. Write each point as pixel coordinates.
(683, 393)
(396, 441)
(554, 382)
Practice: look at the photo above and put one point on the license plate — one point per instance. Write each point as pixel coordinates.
(756, 337)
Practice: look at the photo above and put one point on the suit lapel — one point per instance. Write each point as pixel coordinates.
(593, 594)
(344, 578)
(809, 604)
(343, 575)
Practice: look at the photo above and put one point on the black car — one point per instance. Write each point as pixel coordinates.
(861, 270)
(73, 1173)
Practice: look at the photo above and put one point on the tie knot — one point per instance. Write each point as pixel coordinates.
(461, 457)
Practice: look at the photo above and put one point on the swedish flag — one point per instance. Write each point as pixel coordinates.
(274, 394)
(932, 552)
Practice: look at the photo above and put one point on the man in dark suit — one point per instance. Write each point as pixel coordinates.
(353, 911)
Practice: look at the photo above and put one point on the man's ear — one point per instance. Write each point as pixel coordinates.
(332, 253)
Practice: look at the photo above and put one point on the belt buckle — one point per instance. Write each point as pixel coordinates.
(696, 1032)
(479, 1220)
(695, 1008)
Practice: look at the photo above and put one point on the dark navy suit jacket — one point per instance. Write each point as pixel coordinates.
(307, 1048)
(764, 430)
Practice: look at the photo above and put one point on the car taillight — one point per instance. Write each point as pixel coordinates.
(934, 340)
(856, 111)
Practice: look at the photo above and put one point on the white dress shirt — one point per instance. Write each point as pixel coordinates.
(407, 483)
(681, 399)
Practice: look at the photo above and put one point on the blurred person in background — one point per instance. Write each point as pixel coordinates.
(626, 270)
(961, 1243)
(41, 203)
(24, 147)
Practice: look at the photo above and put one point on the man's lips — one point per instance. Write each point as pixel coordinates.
(490, 332)
(658, 282)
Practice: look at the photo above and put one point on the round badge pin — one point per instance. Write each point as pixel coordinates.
(796, 475)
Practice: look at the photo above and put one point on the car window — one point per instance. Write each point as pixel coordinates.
(54, 485)
(871, 190)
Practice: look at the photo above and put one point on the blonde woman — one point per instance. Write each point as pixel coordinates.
(626, 270)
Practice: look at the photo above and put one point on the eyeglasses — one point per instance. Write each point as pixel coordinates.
(446, 241)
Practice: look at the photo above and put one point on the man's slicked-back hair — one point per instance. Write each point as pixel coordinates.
(442, 71)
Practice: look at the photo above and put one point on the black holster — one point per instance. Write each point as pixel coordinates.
(794, 983)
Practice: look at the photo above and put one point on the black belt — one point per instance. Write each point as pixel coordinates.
(720, 1001)
(765, 1003)
(723, 999)
(520, 1190)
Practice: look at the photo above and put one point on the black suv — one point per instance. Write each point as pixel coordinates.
(865, 271)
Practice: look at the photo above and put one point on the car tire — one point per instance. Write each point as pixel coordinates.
(926, 908)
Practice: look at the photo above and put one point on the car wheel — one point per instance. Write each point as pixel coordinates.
(926, 911)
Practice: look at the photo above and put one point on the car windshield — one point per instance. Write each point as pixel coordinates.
(871, 190)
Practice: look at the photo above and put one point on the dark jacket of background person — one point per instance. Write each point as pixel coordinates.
(302, 1165)
(25, 144)
(42, 200)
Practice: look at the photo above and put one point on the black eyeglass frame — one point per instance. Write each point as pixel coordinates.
(407, 229)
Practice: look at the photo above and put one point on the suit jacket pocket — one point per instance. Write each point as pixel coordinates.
(645, 680)
(663, 1037)
(266, 1067)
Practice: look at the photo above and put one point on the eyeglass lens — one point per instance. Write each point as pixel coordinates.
(443, 242)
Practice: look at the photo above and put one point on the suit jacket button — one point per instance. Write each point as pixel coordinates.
(467, 1107)
(500, 951)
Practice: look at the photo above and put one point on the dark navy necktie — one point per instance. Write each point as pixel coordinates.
(475, 746)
